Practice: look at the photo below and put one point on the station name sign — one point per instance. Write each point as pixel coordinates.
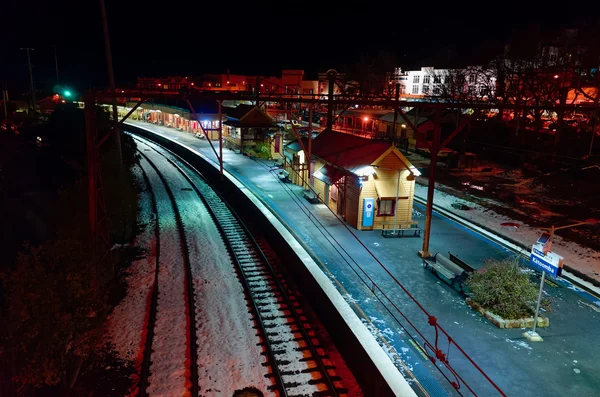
(550, 262)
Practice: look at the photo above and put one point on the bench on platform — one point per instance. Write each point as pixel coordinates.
(388, 230)
(450, 269)
(311, 196)
(284, 176)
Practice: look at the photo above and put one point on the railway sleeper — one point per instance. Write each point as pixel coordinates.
(245, 258)
(322, 357)
(291, 384)
(263, 290)
(272, 300)
(276, 324)
(274, 319)
(265, 279)
(277, 342)
(267, 295)
(256, 273)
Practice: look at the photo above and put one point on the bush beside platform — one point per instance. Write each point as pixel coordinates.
(526, 322)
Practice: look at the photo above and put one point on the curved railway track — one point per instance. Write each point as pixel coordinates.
(156, 290)
(297, 364)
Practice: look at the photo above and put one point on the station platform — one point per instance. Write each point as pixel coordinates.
(354, 260)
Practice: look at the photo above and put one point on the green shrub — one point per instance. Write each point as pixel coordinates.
(504, 289)
(262, 150)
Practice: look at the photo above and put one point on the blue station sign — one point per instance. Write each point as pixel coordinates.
(548, 262)
(368, 211)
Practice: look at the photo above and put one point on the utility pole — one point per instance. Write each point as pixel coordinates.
(397, 98)
(111, 81)
(4, 100)
(31, 78)
(220, 139)
(331, 75)
(310, 117)
(56, 64)
(435, 147)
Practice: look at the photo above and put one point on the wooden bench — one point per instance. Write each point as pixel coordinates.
(450, 269)
(311, 196)
(284, 176)
(412, 231)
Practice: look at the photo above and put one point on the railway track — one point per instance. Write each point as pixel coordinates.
(172, 279)
(295, 362)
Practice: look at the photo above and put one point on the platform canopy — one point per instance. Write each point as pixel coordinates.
(329, 174)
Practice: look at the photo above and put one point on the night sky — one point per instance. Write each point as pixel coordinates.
(190, 38)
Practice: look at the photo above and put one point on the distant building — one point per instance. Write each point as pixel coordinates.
(476, 81)
(165, 84)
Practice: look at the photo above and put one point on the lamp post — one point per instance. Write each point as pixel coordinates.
(533, 336)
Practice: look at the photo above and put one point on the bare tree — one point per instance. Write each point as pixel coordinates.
(474, 84)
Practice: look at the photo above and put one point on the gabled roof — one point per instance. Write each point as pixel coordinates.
(247, 116)
(238, 112)
(347, 151)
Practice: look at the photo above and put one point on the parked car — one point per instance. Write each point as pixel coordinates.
(287, 124)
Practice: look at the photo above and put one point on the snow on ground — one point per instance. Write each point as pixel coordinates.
(228, 356)
(126, 324)
(581, 258)
(169, 369)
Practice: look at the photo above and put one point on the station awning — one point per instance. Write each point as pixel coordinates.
(329, 174)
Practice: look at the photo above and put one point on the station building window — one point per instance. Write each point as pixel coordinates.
(386, 207)
(333, 193)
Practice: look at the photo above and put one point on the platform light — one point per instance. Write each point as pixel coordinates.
(365, 118)
(415, 171)
(365, 171)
